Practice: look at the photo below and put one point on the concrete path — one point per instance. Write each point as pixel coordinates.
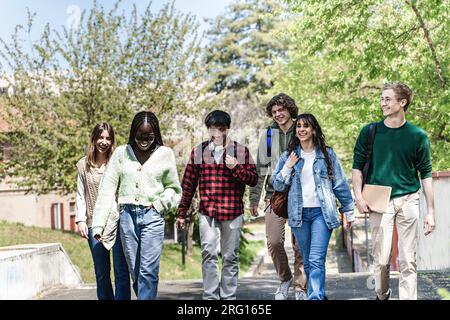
(261, 282)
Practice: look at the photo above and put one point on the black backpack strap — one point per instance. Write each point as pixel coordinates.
(369, 150)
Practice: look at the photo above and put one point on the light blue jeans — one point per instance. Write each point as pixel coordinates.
(142, 231)
(313, 238)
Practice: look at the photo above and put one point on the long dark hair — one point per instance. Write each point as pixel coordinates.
(145, 117)
(91, 153)
(318, 139)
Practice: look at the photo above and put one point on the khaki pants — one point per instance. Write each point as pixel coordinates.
(404, 211)
(275, 231)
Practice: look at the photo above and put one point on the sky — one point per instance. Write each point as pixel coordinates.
(62, 12)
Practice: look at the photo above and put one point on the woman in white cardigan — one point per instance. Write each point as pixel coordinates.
(90, 171)
(145, 173)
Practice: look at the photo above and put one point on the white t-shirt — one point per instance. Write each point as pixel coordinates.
(310, 198)
(309, 194)
(217, 152)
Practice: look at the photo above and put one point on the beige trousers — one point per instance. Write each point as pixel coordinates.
(404, 211)
(275, 231)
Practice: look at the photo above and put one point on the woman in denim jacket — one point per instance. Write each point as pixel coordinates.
(312, 173)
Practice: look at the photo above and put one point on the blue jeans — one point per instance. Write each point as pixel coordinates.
(313, 237)
(142, 231)
(102, 267)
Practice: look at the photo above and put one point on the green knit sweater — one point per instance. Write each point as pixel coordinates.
(399, 154)
(154, 183)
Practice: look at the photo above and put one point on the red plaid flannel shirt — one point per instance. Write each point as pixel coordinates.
(221, 189)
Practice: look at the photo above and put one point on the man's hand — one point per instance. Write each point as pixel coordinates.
(254, 211)
(83, 229)
(230, 162)
(292, 160)
(181, 223)
(430, 224)
(362, 205)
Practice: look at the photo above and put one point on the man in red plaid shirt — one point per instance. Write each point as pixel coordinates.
(221, 168)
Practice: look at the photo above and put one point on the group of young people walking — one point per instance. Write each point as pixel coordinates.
(124, 193)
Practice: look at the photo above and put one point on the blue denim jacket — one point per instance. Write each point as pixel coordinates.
(327, 189)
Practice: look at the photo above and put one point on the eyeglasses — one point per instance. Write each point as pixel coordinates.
(387, 100)
(146, 137)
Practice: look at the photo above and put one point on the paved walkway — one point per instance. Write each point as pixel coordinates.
(261, 282)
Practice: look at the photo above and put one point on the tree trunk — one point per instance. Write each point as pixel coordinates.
(427, 36)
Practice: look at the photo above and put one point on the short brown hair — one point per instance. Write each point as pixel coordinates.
(402, 91)
(283, 100)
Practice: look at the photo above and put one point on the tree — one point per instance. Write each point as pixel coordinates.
(245, 45)
(343, 52)
(108, 69)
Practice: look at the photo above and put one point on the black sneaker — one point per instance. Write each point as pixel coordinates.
(388, 295)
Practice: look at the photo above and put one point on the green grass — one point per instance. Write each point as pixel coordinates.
(78, 250)
(444, 293)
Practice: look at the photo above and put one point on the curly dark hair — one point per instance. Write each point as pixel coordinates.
(318, 140)
(285, 101)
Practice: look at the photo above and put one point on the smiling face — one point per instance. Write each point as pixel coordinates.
(280, 115)
(390, 104)
(103, 143)
(145, 137)
(304, 131)
(218, 134)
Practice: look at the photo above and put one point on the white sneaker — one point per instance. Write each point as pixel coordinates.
(300, 295)
(283, 290)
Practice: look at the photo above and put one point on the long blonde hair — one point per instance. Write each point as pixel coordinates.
(95, 135)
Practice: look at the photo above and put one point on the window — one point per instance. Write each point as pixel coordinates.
(72, 208)
(57, 217)
(72, 216)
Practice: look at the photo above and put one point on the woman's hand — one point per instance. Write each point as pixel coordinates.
(347, 225)
(292, 160)
(83, 229)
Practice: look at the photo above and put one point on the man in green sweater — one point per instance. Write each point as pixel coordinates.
(274, 141)
(401, 151)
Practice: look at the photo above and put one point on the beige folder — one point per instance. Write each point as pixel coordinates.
(377, 197)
